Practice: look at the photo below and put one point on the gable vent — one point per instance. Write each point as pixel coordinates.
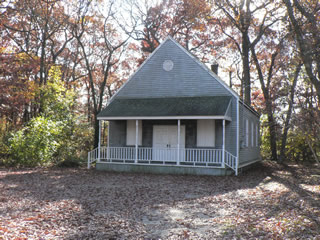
(167, 65)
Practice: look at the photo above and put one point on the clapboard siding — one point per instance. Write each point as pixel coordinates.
(187, 78)
(248, 153)
(231, 129)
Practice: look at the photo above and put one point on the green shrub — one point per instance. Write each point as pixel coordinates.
(55, 136)
(37, 143)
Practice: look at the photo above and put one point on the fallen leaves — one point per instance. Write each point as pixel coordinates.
(272, 201)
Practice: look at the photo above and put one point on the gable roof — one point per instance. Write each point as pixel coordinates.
(167, 107)
(189, 77)
(215, 76)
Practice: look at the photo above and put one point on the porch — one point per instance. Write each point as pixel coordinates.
(189, 132)
(185, 157)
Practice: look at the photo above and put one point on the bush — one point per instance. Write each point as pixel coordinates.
(53, 137)
(37, 143)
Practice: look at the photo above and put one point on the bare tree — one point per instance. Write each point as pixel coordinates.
(242, 16)
(101, 48)
(304, 19)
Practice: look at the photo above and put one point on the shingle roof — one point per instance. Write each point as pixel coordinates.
(176, 106)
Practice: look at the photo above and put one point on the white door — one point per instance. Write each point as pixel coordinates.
(165, 142)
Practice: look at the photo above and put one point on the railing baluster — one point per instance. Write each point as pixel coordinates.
(216, 156)
(118, 153)
(201, 154)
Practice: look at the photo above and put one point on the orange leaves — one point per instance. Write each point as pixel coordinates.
(16, 81)
(3, 229)
(28, 219)
(133, 46)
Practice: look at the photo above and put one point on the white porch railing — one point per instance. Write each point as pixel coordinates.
(187, 156)
(93, 156)
(231, 161)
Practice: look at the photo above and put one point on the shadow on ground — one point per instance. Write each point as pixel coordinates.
(96, 205)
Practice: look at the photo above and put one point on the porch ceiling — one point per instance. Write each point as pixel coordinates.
(167, 107)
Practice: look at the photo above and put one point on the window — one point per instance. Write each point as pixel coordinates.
(131, 132)
(252, 134)
(257, 135)
(205, 133)
(247, 133)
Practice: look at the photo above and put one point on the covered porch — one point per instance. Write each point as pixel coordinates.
(187, 140)
(170, 145)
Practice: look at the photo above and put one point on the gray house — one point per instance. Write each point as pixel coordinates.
(174, 115)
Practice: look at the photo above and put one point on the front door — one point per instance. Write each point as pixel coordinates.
(165, 142)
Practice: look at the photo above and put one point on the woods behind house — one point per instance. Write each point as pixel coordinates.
(60, 62)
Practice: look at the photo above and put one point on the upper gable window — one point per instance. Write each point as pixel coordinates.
(167, 65)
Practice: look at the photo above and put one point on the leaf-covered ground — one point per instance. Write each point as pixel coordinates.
(267, 202)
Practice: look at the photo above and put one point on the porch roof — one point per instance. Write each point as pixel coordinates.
(172, 108)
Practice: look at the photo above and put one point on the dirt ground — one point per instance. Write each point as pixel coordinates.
(267, 202)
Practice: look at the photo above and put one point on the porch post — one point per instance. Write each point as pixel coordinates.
(178, 147)
(108, 142)
(223, 142)
(99, 142)
(137, 139)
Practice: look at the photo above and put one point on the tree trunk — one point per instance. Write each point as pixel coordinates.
(89, 106)
(246, 68)
(272, 131)
(96, 132)
(266, 93)
(289, 113)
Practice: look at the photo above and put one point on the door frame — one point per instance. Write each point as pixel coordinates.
(171, 154)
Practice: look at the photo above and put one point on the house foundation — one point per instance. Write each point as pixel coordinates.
(159, 169)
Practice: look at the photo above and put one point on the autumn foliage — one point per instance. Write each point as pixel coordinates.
(267, 51)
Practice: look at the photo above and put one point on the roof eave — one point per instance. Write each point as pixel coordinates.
(250, 108)
(218, 117)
